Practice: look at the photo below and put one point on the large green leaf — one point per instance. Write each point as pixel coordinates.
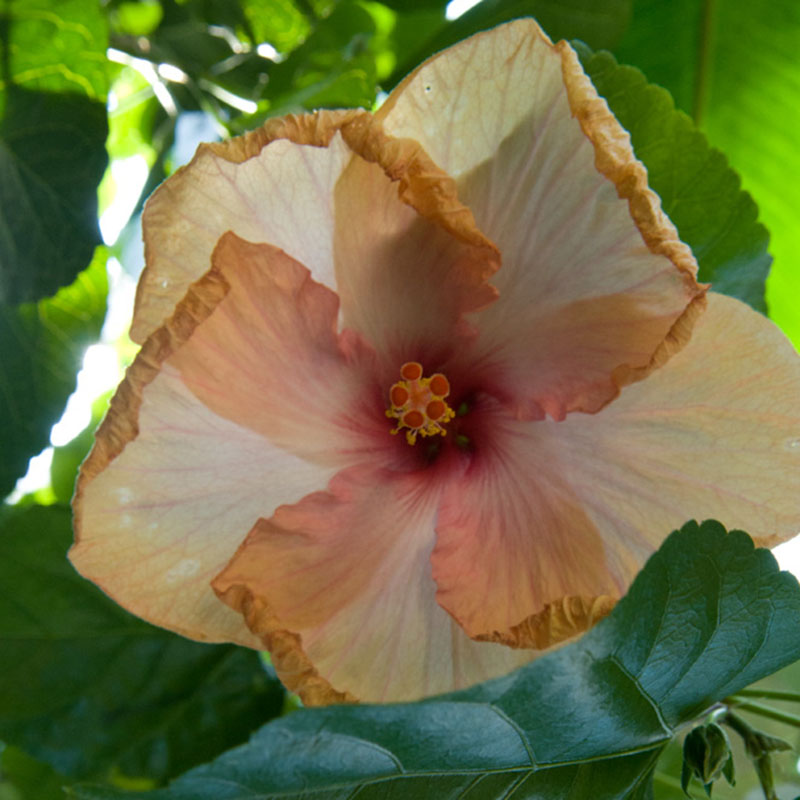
(698, 190)
(707, 615)
(42, 346)
(597, 24)
(52, 142)
(734, 66)
(87, 687)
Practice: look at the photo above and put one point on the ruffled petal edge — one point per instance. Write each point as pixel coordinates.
(615, 159)
(421, 184)
(289, 659)
(555, 624)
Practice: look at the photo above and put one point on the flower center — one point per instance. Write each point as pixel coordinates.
(418, 404)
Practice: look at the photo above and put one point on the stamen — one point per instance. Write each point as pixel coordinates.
(440, 386)
(399, 395)
(418, 403)
(414, 419)
(435, 409)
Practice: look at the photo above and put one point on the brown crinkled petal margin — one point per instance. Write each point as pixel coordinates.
(614, 158)
(421, 185)
(555, 624)
(292, 665)
(121, 423)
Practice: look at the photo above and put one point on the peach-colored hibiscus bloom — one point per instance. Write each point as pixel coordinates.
(554, 418)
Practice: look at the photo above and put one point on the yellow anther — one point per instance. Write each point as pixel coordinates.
(418, 403)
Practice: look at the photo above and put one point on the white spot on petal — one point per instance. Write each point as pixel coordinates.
(124, 495)
(183, 569)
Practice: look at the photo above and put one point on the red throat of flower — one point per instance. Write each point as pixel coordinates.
(418, 403)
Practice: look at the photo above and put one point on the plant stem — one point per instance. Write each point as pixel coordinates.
(769, 712)
(667, 780)
(704, 53)
(767, 694)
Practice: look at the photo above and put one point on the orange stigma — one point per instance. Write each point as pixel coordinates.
(418, 403)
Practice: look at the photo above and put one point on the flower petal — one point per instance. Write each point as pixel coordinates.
(156, 524)
(269, 357)
(715, 433)
(335, 193)
(339, 588)
(171, 487)
(576, 507)
(409, 259)
(281, 194)
(594, 276)
(513, 539)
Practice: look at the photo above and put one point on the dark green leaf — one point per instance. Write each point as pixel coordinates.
(336, 49)
(333, 68)
(42, 345)
(698, 190)
(682, 23)
(707, 615)
(729, 772)
(410, 6)
(706, 755)
(52, 142)
(598, 24)
(87, 687)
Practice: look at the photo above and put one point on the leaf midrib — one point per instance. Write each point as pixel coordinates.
(705, 48)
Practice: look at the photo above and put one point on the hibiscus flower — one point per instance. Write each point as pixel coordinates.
(420, 392)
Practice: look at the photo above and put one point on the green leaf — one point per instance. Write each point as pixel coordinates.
(42, 345)
(699, 191)
(734, 66)
(597, 24)
(706, 755)
(280, 23)
(332, 68)
(138, 18)
(707, 615)
(52, 142)
(88, 688)
(68, 458)
(25, 778)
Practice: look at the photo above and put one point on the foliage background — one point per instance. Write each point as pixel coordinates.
(99, 102)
